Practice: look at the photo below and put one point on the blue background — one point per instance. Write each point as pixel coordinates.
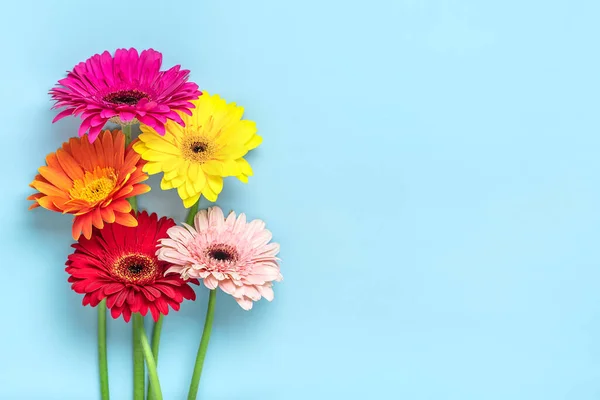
(430, 169)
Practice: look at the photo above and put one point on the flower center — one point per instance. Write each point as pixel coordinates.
(197, 149)
(135, 268)
(95, 186)
(222, 252)
(128, 97)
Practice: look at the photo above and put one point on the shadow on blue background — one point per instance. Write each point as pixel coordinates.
(430, 169)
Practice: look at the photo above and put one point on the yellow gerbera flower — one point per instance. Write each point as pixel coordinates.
(197, 157)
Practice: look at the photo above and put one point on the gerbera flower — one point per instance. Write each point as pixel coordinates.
(231, 254)
(195, 159)
(119, 264)
(124, 89)
(91, 181)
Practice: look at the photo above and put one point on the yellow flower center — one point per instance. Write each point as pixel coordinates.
(95, 185)
(197, 149)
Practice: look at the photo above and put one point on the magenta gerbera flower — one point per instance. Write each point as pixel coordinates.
(126, 89)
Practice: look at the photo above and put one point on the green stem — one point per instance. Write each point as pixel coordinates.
(127, 132)
(192, 213)
(155, 344)
(102, 358)
(139, 381)
(133, 202)
(151, 363)
(210, 315)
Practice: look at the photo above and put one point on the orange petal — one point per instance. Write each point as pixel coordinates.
(121, 206)
(56, 177)
(87, 225)
(98, 146)
(52, 161)
(137, 176)
(75, 145)
(69, 165)
(77, 226)
(48, 204)
(125, 219)
(109, 153)
(97, 220)
(123, 192)
(88, 153)
(139, 189)
(48, 189)
(34, 197)
(119, 144)
(108, 215)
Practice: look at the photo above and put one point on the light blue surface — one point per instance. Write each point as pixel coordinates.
(430, 169)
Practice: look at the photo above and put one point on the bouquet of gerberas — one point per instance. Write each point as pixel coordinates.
(133, 262)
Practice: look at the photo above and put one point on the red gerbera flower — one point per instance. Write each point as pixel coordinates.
(119, 264)
(124, 89)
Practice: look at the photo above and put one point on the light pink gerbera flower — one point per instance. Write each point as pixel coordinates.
(125, 89)
(231, 254)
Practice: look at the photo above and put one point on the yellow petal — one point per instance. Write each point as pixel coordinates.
(200, 181)
(172, 173)
(153, 155)
(231, 168)
(172, 164)
(233, 151)
(213, 167)
(182, 192)
(189, 187)
(239, 132)
(193, 171)
(209, 194)
(165, 184)
(215, 183)
(242, 178)
(162, 146)
(178, 180)
(245, 167)
(152, 168)
(254, 142)
(139, 147)
(190, 201)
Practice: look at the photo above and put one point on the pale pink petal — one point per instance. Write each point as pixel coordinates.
(227, 286)
(229, 253)
(201, 221)
(211, 282)
(245, 303)
(216, 219)
(266, 292)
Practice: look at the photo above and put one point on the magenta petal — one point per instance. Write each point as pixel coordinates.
(126, 116)
(94, 132)
(62, 114)
(107, 113)
(84, 91)
(160, 128)
(85, 125)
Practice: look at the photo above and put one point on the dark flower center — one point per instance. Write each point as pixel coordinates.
(222, 252)
(220, 255)
(198, 147)
(129, 97)
(135, 268)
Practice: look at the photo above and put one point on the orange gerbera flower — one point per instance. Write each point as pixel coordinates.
(91, 181)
